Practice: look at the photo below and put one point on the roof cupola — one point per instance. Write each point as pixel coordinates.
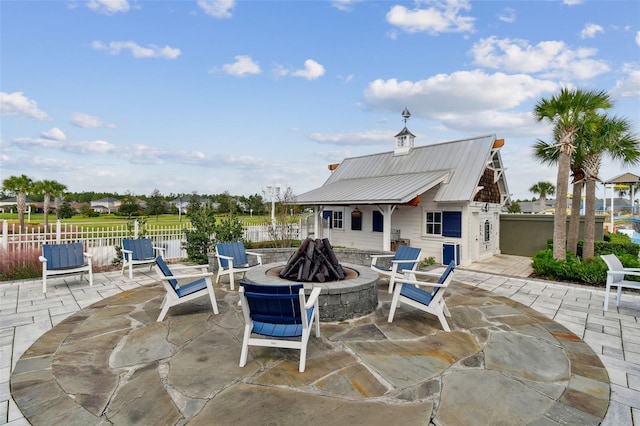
(404, 139)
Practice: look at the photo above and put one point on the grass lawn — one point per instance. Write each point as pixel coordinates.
(111, 219)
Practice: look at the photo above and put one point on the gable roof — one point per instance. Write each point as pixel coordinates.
(386, 178)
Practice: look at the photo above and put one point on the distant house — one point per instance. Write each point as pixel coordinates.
(445, 198)
(105, 205)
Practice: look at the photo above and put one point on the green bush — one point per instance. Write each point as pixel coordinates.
(592, 271)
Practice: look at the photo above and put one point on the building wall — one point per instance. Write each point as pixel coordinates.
(527, 234)
(409, 221)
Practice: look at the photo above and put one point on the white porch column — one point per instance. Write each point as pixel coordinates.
(387, 211)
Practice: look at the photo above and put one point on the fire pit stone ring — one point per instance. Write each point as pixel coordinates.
(353, 297)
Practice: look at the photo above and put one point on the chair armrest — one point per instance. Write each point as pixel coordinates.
(89, 255)
(221, 256)
(160, 249)
(42, 259)
(405, 261)
(419, 283)
(625, 272)
(204, 268)
(315, 293)
(375, 257)
(631, 269)
(186, 276)
(253, 253)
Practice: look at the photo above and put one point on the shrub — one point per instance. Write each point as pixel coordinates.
(20, 264)
(200, 240)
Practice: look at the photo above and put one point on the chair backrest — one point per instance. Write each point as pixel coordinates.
(235, 250)
(407, 253)
(142, 248)
(63, 256)
(446, 276)
(164, 269)
(274, 303)
(614, 264)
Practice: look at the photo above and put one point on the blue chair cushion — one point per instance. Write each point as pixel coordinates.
(193, 287)
(416, 293)
(142, 248)
(64, 256)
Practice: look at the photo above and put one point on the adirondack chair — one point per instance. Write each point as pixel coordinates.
(180, 293)
(233, 259)
(615, 278)
(281, 314)
(62, 259)
(405, 259)
(139, 252)
(408, 290)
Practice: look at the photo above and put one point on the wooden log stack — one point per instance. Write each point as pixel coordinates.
(314, 261)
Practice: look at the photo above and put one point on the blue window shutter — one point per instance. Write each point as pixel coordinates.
(378, 221)
(328, 215)
(452, 224)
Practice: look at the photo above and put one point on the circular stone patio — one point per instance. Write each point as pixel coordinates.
(503, 363)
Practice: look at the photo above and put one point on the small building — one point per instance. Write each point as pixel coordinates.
(106, 205)
(445, 198)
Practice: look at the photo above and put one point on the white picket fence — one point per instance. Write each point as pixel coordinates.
(101, 242)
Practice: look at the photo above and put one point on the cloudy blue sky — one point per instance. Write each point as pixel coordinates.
(220, 95)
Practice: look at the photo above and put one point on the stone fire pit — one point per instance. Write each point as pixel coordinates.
(355, 296)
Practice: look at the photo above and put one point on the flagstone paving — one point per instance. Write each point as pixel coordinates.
(505, 361)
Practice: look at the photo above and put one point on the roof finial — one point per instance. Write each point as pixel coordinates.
(406, 114)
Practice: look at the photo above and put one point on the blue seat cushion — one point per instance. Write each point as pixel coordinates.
(166, 271)
(415, 293)
(190, 288)
(281, 330)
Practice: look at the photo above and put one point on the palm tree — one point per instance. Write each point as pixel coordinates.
(20, 186)
(49, 188)
(567, 112)
(547, 154)
(543, 189)
(604, 136)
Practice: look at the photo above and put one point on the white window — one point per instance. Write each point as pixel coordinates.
(433, 223)
(337, 219)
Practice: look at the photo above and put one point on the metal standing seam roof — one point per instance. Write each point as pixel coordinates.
(386, 178)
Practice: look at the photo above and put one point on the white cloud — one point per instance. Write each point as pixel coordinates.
(344, 5)
(590, 30)
(629, 86)
(572, 2)
(108, 7)
(17, 104)
(54, 134)
(371, 137)
(508, 16)
(443, 16)
(553, 58)
(217, 8)
(311, 71)
(242, 66)
(459, 92)
(136, 50)
(85, 121)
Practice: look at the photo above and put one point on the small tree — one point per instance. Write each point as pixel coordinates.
(156, 205)
(281, 231)
(229, 230)
(129, 206)
(66, 211)
(200, 239)
(514, 207)
(543, 189)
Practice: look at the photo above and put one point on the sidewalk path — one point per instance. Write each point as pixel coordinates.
(25, 314)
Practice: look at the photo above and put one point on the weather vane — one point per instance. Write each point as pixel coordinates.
(406, 114)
